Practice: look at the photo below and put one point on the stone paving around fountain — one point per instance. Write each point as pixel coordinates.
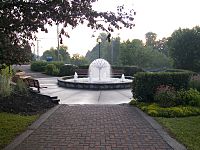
(76, 96)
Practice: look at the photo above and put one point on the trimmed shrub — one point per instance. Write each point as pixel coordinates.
(57, 64)
(51, 69)
(178, 70)
(38, 66)
(67, 70)
(83, 67)
(145, 84)
(128, 70)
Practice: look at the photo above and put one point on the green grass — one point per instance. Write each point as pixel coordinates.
(186, 130)
(12, 125)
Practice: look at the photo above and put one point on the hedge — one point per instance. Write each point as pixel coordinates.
(38, 66)
(128, 70)
(67, 70)
(145, 84)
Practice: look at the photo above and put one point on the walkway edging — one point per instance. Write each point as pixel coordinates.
(19, 139)
(170, 141)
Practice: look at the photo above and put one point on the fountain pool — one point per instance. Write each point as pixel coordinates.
(99, 78)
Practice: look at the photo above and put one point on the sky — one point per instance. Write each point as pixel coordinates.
(162, 17)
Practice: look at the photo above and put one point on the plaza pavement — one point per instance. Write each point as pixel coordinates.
(80, 123)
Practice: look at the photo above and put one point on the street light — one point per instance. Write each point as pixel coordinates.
(99, 41)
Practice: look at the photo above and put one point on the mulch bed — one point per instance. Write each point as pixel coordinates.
(27, 105)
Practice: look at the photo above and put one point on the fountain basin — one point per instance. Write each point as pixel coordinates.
(84, 83)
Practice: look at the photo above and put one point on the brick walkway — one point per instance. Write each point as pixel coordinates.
(102, 127)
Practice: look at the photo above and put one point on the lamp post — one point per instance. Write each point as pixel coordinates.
(99, 41)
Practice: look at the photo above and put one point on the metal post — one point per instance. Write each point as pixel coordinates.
(99, 50)
(58, 40)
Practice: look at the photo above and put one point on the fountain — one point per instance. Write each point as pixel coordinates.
(99, 78)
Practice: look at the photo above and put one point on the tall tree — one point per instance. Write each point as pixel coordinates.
(63, 54)
(150, 39)
(184, 45)
(79, 60)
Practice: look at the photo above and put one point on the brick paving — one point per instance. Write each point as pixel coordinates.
(98, 127)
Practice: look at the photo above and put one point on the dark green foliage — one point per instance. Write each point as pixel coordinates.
(128, 70)
(83, 67)
(21, 88)
(178, 70)
(190, 97)
(57, 64)
(51, 69)
(38, 66)
(184, 46)
(146, 84)
(166, 99)
(195, 82)
(67, 70)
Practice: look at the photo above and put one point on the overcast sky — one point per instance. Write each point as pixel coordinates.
(159, 16)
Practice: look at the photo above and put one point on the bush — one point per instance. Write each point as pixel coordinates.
(83, 67)
(195, 82)
(128, 70)
(57, 64)
(190, 97)
(5, 87)
(51, 69)
(145, 84)
(165, 96)
(21, 87)
(67, 70)
(38, 66)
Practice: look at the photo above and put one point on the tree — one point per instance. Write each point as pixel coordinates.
(150, 39)
(79, 60)
(63, 54)
(20, 18)
(161, 46)
(11, 53)
(184, 45)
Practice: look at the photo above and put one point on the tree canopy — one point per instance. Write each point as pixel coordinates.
(21, 18)
(184, 45)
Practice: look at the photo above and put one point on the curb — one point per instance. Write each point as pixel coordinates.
(169, 140)
(19, 139)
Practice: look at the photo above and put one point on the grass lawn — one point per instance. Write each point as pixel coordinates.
(186, 130)
(12, 125)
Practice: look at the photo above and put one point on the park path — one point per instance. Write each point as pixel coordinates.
(87, 127)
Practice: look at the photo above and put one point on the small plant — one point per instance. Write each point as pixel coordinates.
(195, 82)
(5, 87)
(21, 87)
(165, 96)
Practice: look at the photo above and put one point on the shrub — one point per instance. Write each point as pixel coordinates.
(83, 67)
(21, 87)
(165, 96)
(57, 64)
(67, 70)
(190, 97)
(145, 84)
(195, 82)
(128, 70)
(51, 69)
(38, 66)
(5, 87)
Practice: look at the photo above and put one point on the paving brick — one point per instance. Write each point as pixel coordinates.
(87, 127)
